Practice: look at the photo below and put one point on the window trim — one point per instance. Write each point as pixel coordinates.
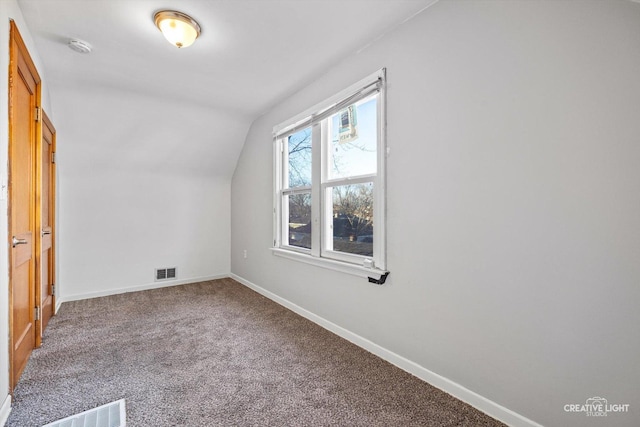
(315, 117)
(331, 264)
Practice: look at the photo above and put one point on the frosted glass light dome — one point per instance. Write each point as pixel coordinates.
(178, 28)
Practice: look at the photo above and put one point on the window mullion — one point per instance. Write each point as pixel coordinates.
(349, 181)
(316, 181)
(327, 206)
(284, 220)
(296, 190)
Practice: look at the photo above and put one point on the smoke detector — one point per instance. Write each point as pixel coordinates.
(79, 46)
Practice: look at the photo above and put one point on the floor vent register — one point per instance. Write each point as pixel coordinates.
(110, 415)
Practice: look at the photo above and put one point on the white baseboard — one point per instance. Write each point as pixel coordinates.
(472, 398)
(5, 410)
(154, 285)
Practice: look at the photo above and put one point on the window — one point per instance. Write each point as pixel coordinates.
(329, 204)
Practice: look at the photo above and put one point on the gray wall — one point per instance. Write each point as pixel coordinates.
(513, 204)
(139, 190)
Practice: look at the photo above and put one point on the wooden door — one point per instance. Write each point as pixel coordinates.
(24, 99)
(46, 207)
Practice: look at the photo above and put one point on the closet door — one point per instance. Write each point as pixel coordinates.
(24, 99)
(46, 294)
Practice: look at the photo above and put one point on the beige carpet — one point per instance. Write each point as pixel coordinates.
(218, 354)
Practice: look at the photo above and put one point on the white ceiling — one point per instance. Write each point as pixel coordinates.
(251, 54)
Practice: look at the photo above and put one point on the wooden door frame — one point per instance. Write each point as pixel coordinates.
(52, 215)
(17, 45)
(52, 194)
(37, 230)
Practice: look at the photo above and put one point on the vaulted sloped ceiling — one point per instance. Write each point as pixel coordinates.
(138, 102)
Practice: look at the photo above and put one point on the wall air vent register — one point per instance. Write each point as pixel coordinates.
(165, 273)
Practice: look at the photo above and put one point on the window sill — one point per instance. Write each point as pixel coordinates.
(355, 270)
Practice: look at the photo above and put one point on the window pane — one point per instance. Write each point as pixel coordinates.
(300, 220)
(299, 149)
(353, 219)
(354, 140)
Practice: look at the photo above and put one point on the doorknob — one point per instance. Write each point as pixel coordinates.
(45, 232)
(17, 241)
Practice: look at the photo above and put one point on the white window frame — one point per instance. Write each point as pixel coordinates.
(317, 118)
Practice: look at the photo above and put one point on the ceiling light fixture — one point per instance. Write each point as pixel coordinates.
(180, 29)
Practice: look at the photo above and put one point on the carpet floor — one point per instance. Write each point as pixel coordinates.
(218, 354)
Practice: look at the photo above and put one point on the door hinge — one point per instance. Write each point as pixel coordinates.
(53, 289)
(37, 313)
(38, 114)
(53, 157)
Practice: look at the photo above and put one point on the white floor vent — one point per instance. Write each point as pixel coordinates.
(165, 273)
(110, 415)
